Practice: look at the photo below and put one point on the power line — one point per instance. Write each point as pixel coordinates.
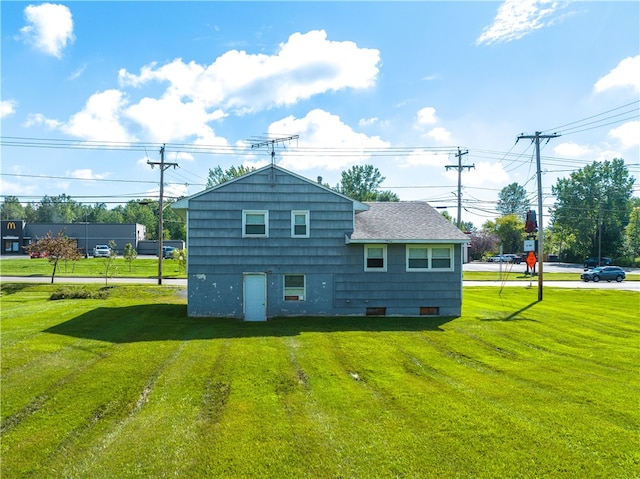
(51, 177)
(558, 128)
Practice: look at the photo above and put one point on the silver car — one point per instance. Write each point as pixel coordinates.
(101, 251)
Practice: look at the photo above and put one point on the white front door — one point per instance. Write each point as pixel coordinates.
(255, 297)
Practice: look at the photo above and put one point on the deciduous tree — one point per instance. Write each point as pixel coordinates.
(55, 248)
(129, 254)
(217, 176)
(594, 205)
(362, 183)
(510, 230)
(512, 200)
(11, 209)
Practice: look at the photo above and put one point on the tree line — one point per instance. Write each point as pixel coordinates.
(64, 209)
(594, 211)
(359, 182)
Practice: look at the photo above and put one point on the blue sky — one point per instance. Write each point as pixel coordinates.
(90, 90)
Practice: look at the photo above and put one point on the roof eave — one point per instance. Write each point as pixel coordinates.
(408, 241)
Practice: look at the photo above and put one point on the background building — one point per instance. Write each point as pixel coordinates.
(16, 235)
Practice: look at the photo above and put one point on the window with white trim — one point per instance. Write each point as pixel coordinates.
(429, 258)
(375, 257)
(299, 224)
(294, 287)
(255, 224)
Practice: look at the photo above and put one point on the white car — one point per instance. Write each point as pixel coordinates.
(101, 251)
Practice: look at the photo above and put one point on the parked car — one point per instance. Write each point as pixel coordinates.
(593, 262)
(553, 258)
(512, 258)
(607, 273)
(167, 252)
(505, 258)
(39, 254)
(101, 251)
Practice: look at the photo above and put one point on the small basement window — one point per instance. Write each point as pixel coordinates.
(376, 312)
(294, 286)
(429, 311)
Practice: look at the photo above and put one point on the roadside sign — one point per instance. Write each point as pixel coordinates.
(531, 259)
(529, 245)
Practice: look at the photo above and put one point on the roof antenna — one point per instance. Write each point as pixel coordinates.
(273, 142)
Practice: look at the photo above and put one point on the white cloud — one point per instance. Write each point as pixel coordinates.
(7, 108)
(625, 74)
(306, 65)
(49, 29)
(439, 134)
(100, 119)
(628, 134)
(482, 174)
(86, 174)
(235, 83)
(608, 155)
(426, 116)
(319, 130)
(78, 72)
(368, 121)
(17, 189)
(39, 119)
(517, 18)
(171, 190)
(571, 150)
(169, 119)
(425, 158)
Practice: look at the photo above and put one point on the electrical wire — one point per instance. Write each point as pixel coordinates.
(558, 128)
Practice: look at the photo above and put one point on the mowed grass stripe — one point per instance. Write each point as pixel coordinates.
(526, 390)
(161, 434)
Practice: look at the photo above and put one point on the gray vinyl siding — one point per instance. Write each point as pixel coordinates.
(335, 280)
(219, 255)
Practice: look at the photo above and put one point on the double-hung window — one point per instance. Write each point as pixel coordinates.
(429, 258)
(299, 224)
(375, 257)
(255, 224)
(294, 287)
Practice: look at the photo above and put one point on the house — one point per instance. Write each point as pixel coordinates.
(273, 243)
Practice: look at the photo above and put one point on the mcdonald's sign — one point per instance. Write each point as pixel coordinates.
(11, 225)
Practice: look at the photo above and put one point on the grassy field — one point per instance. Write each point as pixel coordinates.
(91, 267)
(148, 268)
(128, 386)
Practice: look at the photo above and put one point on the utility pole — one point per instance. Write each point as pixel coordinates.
(537, 138)
(163, 166)
(460, 167)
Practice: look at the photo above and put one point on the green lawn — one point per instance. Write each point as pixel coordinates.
(128, 386)
(91, 267)
(148, 268)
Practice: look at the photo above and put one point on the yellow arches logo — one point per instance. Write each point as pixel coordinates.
(11, 225)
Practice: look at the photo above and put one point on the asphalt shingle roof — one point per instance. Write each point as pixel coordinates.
(404, 221)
